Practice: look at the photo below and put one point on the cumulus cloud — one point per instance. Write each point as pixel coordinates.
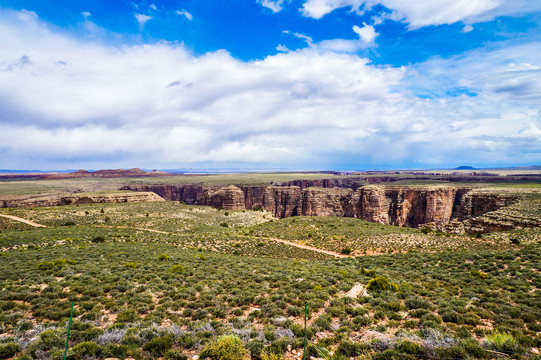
(274, 5)
(419, 13)
(160, 106)
(184, 13)
(367, 34)
(319, 8)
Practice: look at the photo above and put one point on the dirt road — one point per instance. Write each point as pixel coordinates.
(16, 218)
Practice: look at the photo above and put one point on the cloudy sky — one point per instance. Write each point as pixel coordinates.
(269, 84)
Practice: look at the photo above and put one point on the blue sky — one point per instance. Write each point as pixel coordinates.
(267, 84)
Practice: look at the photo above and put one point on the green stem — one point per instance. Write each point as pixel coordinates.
(69, 328)
(305, 316)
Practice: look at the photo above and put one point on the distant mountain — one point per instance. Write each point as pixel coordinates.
(464, 168)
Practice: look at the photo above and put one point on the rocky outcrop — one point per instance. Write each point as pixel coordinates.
(228, 197)
(326, 202)
(35, 201)
(411, 206)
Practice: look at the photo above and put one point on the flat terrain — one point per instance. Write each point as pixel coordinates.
(162, 280)
(143, 271)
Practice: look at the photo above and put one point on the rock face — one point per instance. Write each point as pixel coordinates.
(36, 201)
(437, 206)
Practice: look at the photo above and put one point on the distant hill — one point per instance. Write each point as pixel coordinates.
(464, 168)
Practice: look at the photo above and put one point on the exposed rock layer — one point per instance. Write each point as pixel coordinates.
(34, 201)
(392, 205)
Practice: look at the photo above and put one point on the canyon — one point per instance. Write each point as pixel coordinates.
(448, 208)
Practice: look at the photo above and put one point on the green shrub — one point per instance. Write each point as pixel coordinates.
(98, 239)
(503, 342)
(163, 257)
(255, 348)
(45, 265)
(175, 355)
(177, 268)
(426, 230)
(367, 272)
(159, 345)
(127, 316)
(350, 348)
(8, 350)
(379, 283)
(130, 265)
(226, 347)
(479, 274)
(345, 251)
(408, 347)
(85, 349)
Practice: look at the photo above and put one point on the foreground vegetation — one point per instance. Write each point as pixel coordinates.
(153, 280)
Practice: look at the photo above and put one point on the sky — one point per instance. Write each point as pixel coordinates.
(269, 84)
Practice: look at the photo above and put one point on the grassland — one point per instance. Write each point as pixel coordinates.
(163, 279)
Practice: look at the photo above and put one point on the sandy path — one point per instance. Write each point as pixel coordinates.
(16, 218)
(306, 247)
(328, 252)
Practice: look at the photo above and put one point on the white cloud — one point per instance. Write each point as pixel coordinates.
(153, 7)
(306, 38)
(319, 8)
(282, 48)
(467, 28)
(274, 5)
(83, 104)
(419, 13)
(185, 14)
(367, 33)
(142, 20)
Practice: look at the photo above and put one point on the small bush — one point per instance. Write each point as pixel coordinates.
(345, 251)
(98, 239)
(350, 348)
(69, 223)
(224, 224)
(379, 283)
(479, 274)
(226, 347)
(163, 257)
(177, 268)
(86, 349)
(426, 230)
(45, 265)
(8, 350)
(130, 265)
(502, 342)
(158, 346)
(175, 355)
(409, 347)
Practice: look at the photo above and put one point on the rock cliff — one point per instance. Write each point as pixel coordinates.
(35, 201)
(412, 206)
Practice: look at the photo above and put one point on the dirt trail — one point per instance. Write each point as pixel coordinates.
(306, 247)
(16, 218)
(328, 252)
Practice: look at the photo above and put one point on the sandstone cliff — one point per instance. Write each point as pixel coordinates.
(413, 206)
(51, 200)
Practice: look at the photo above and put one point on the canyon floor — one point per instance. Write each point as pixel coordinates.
(163, 279)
